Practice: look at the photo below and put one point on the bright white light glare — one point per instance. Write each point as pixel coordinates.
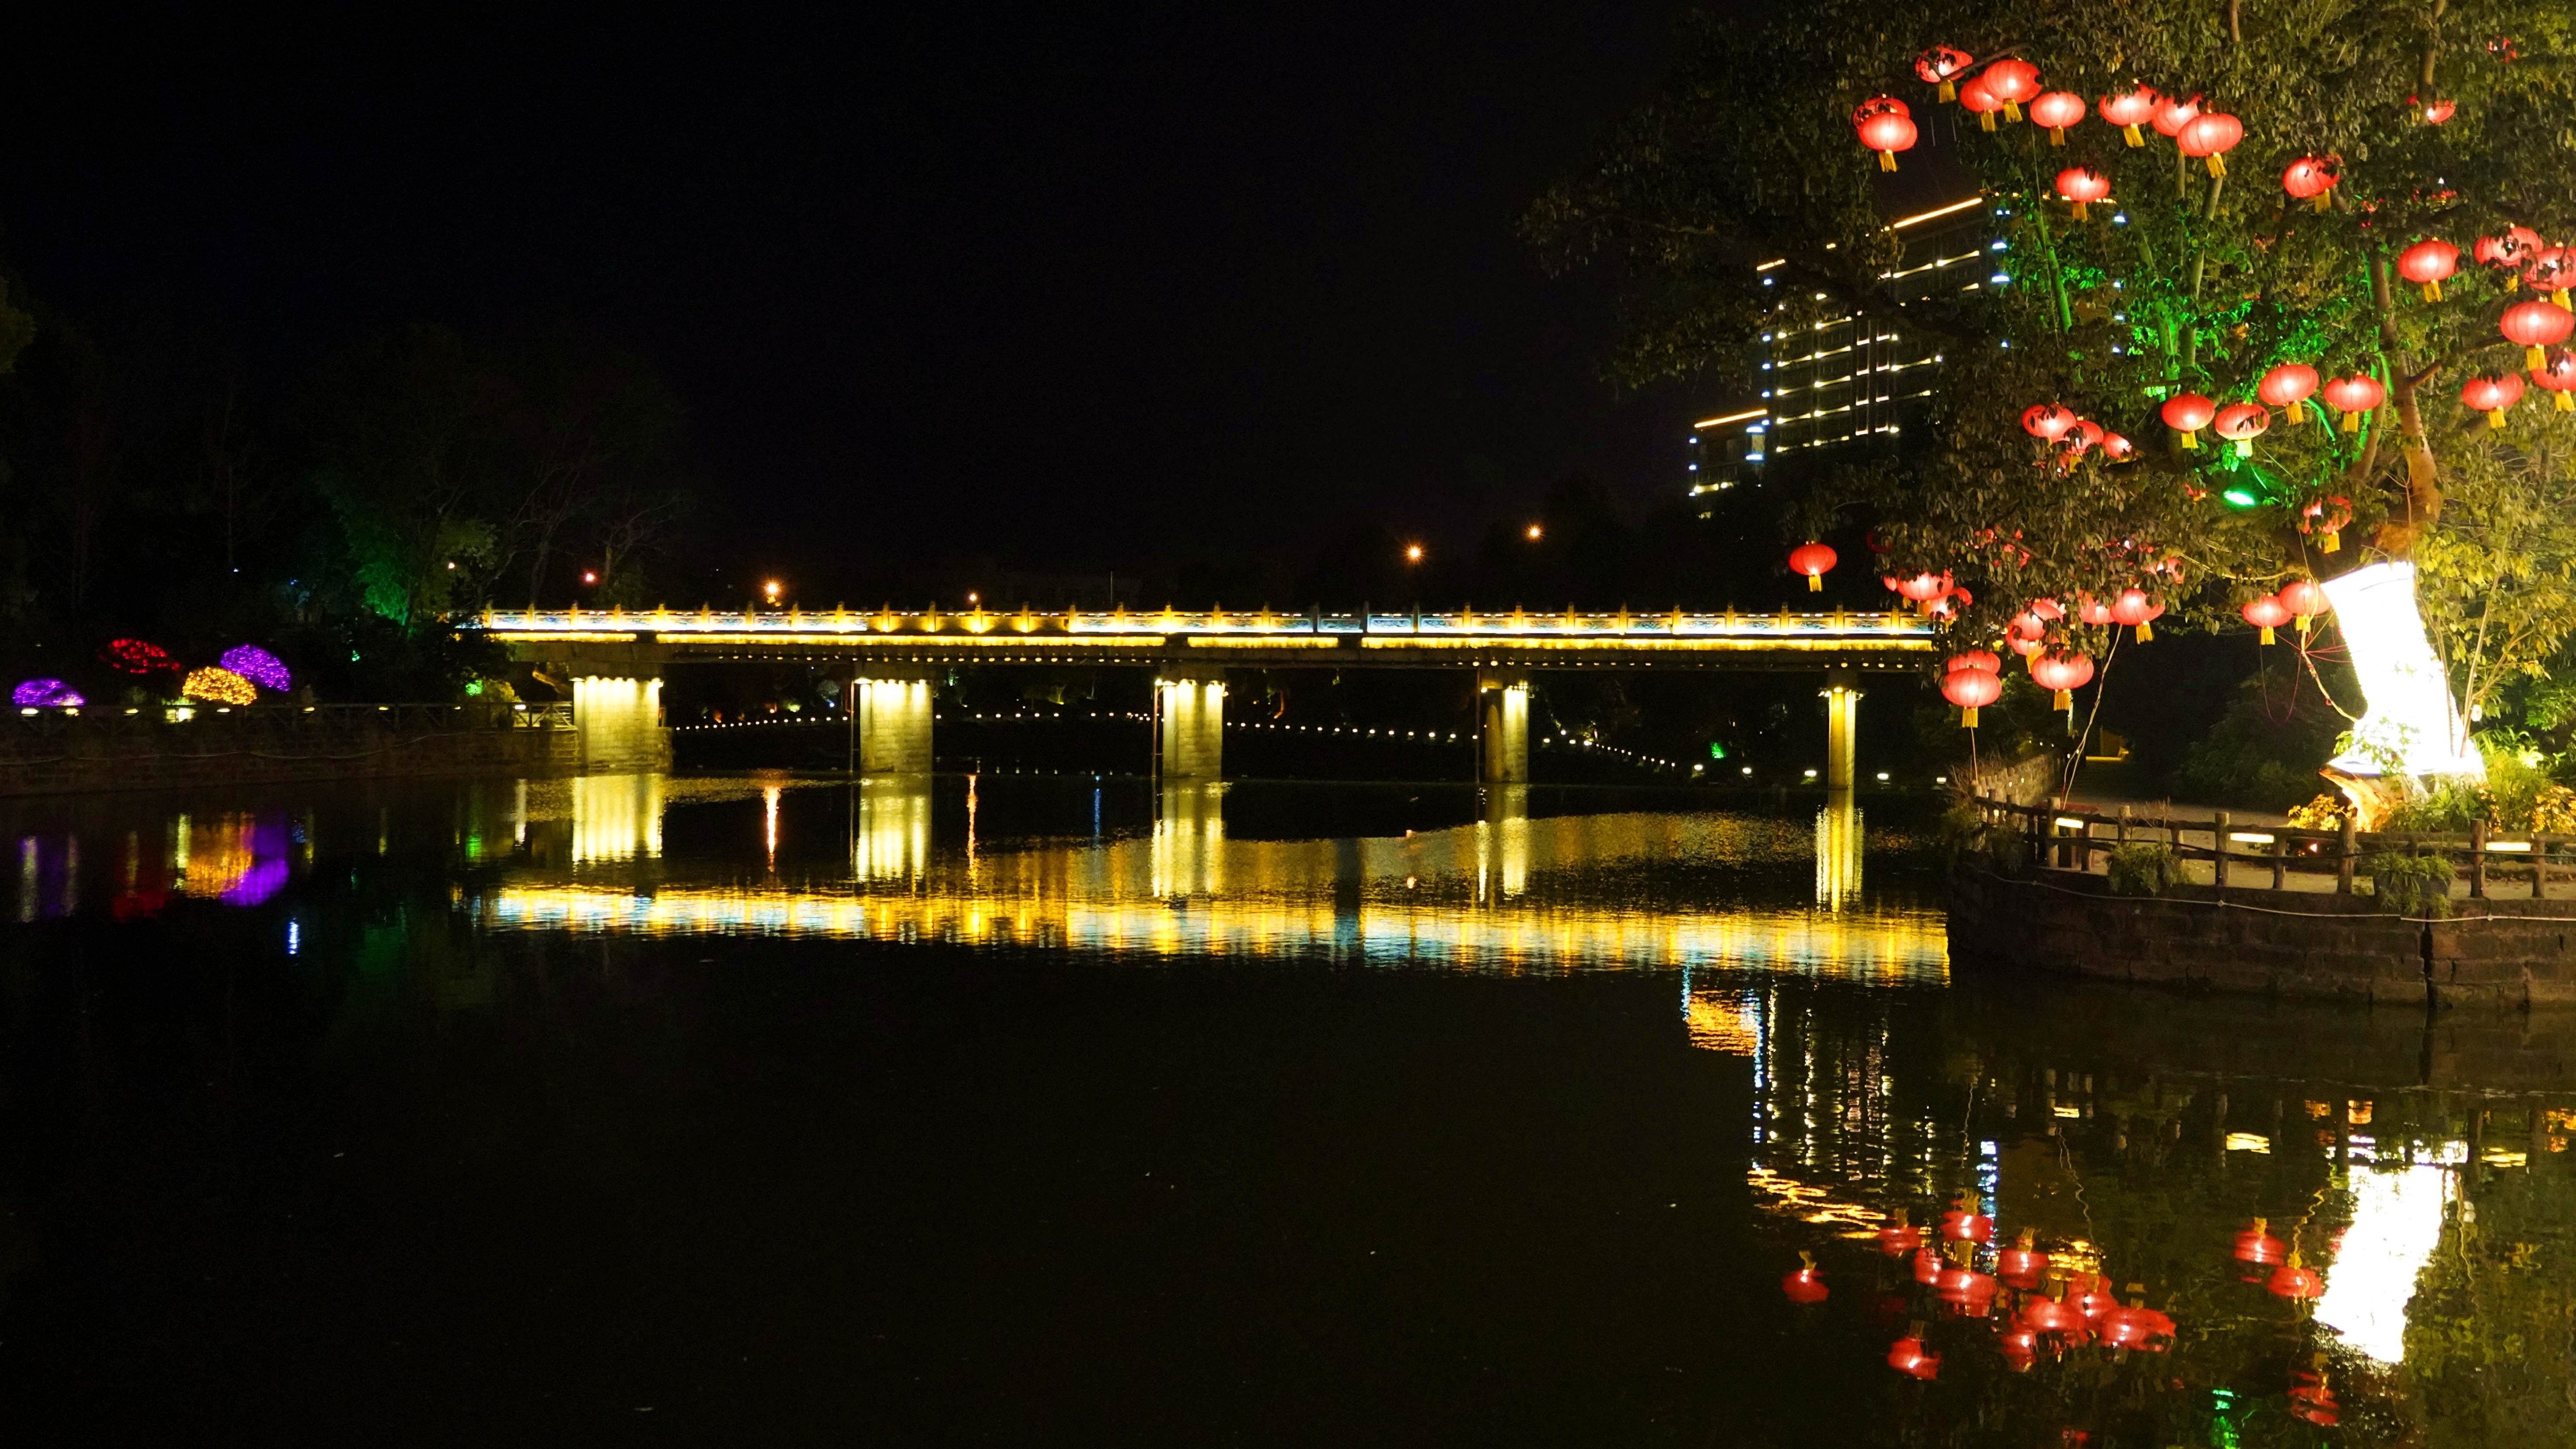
(2396, 1225)
(2410, 709)
(2248, 1142)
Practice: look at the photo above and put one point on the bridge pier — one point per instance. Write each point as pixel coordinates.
(893, 721)
(1842, 726)
(618, 719)
(1190, 709)
(1502, 726)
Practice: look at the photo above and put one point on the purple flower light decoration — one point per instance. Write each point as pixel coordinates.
(259, 667)
(46, 694)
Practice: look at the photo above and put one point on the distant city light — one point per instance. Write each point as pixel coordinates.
(1413, 553)
(1534, 528)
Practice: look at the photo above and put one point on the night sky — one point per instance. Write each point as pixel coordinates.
(1067, 290)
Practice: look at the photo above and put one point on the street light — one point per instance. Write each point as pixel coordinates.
(771, 588)
(1534, 532)
(1413, 553)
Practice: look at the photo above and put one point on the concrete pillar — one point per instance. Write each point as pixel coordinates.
(890, 827)
(894, 723)
(619, 722)
(1190, 701)
(1842, 725)
(1502, 729)
(1189, 840)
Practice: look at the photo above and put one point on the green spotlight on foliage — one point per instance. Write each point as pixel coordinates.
(1716, 751)
(2240, 498)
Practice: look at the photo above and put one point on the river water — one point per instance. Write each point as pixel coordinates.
(1036, 1109)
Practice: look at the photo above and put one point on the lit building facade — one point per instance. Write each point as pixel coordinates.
(1847, 381)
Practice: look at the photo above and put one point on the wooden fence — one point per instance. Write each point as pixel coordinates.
(2253, 857)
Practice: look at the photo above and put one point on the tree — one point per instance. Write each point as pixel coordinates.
(2439, 118)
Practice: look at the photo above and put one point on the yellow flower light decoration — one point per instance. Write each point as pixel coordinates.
(218, 686)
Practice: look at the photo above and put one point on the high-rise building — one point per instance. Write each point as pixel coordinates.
(1847, 382)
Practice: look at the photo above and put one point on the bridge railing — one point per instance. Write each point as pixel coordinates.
(1248, 624)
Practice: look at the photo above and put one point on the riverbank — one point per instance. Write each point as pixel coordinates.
(58, 752)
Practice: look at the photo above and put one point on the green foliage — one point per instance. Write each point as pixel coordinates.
(2143, 868)
(1746, 155)
(2264, 751)
(2516, 778)
(2448, 807)
(2409, 884)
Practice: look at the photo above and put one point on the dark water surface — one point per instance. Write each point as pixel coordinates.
(1018, 1111)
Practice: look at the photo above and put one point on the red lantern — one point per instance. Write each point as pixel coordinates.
(2012, 82)
(2139, 612)
(2254, 1245)
(2048, 609)
(2172, 115)
(1969, 1291)
(2428, 262)
(2352, 396)
(2079, 184)
(2326, 517)
(2288, 387)
(2116, 448)
(2266, 613)
(1804, 1286)
(1924, 588)
(1815, 561)
(2557, 376)
(1886, 131)
(1973, 659)
(2129, 110)
(2062, 673)
(2211, 136)
(2545, 269)
(1907, 1357)
(2057, 110)
(2434, 113)
(2046, 421)
(2315, 1403)
(1970, 690)
(2305, 599)
(2050, 1315)
(2020, 1349)
(2137, 1327)
(2506, 252)
(1896, 1240)
(1965, 1224)
(2536, 325)
(2495, 394)
(2187, 415)
(1941, 65)
(1927, 1266)
(2021, 1264)
(2291, 1280)
(2241, 424)
(1974, 95)
(2083, 437)
(2312, 178)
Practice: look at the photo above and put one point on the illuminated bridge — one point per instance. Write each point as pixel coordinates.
(616, 661)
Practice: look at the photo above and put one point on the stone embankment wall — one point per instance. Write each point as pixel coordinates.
(212, 750)
(2495, 954)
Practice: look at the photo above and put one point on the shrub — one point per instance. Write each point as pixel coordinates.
(2450, 807)
(2409, 884)
(2326, 812)
(2515, 778)
(2143, 868)
(2553, 811)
